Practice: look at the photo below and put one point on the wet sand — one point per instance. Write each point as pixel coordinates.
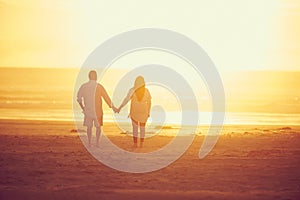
(45, 160)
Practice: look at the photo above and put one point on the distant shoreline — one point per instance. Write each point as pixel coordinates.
(166, 127)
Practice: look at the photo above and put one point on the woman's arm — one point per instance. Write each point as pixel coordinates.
(149, 103)
(149, 107)
(127, 98)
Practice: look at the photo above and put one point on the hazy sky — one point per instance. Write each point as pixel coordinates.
(249, 34)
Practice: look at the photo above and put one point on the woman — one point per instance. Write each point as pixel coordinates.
(139, 109)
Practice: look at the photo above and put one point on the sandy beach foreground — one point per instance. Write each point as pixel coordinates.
(44, 160)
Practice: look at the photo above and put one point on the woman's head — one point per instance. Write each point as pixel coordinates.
(139, 82)
(139, 87)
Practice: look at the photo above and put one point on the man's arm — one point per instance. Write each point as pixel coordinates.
(79, 98)
(106, 97)
(81, 105)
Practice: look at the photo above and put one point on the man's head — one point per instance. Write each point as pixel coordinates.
(93, 75)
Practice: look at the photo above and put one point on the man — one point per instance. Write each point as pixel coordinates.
(92, 93)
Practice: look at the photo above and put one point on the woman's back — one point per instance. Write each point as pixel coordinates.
(139, 109)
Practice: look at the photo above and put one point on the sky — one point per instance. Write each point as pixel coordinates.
(237, 35)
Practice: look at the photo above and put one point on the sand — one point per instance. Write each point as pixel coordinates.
(44, 160)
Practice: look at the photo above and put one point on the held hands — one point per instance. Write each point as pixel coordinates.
(116, 110)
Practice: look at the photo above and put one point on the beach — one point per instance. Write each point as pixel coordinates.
(215, 82)
(47, 160)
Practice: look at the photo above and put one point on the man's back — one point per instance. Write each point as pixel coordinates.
(92, 93)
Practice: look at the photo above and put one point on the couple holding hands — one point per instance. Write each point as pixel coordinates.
(90, 97)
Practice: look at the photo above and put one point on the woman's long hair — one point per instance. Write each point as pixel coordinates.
(139, 87)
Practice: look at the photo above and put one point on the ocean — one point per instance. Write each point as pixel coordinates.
(263, 98)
